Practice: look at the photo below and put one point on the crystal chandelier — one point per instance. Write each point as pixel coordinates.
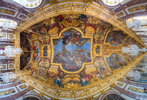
(132, 50)
(11, 51)
(7, 24)
(133, 23)
(134, 74)
(8, 77)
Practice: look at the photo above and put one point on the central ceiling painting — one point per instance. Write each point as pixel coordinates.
(71, 50)
(74, 50)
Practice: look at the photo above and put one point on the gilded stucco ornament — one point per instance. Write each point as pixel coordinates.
(76, 54)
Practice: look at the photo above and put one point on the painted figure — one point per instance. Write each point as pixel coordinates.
(115, 38)
(115, 61)
(101, 66)
(84, 82)
(36, 50)
(71, 50)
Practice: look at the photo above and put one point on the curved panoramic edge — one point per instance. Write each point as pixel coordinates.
(89, 91)
(86, 91)
(77, 7)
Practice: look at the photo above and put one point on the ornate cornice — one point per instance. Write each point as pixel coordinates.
(93, 9)
(78, 93)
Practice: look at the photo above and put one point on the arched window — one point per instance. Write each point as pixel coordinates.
(113, 97)
(112, 2)
(31, 97)
(29, 3)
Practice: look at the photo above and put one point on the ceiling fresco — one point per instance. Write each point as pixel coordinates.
(71, 51)
(26, 47)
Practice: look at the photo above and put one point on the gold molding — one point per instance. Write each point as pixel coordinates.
(77, 8)
(82, 92)
(58, 64)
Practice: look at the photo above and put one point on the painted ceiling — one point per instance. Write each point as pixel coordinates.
(72, 51)
(73, 48)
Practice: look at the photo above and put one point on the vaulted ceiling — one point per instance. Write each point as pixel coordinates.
(72, 48)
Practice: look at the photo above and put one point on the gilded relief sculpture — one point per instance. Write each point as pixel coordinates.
(73, 55)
